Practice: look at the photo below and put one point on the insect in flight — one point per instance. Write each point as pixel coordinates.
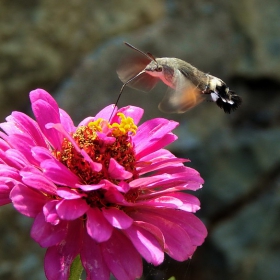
(187, 86)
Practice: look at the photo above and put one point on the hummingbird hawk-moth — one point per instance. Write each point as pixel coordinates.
(187, 86)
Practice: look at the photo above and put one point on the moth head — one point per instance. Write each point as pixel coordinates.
(154, 69)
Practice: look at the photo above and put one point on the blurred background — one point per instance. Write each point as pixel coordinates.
(72, 49)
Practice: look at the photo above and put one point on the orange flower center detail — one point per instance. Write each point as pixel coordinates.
(99, 150)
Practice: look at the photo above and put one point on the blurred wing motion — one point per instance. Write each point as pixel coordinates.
(131, 66)
(184, 97)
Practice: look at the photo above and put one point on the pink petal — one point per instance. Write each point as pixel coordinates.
(195, 228)
(114, 196)
(38, 182)
(162, 164)
(41, 94)
(179, 170)
(121, 187)
(27, 126)
(27, 201)
(117, 218)
(153, 135)
(47, 234)
(106, 112)
(66, 121)
(45, 114)
(3, 144)
(86, 121)
(179, 181)
(189, 222)
(87, 188)
(92, 259)
(124, 186)
(9, 171)
(108, 140)
(158, 155)
(59, 173)
(67, 193)
(121, 257)
(4, 194)
(50, 212)
(72, 209)
(9, 128)
(98, 227)
(23, 143)
(156, 145)
(41, 154)
(46, 111)
(135, 113)
(155, 231)
(59, 127)
(9, 181)
(15, 159)
(172, 231)
(147, 181)
(190, 202)
(117, 171)
(59, 258)
(146, 243)
(162, 201)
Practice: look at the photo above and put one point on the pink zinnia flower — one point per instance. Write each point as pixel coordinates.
(104, 190)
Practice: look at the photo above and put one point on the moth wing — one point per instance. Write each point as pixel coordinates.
(184, 97)
(130, 66)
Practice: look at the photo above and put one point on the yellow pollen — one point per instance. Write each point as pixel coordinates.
(96, 125)
(126, 125)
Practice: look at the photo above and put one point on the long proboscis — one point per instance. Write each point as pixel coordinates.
(122, 88)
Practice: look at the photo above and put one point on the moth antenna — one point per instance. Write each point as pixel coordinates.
(148, 55)
(122, 88)
(151, 56)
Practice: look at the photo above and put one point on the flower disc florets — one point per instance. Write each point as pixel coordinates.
(117, 145)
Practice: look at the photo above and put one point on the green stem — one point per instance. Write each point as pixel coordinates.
(76, 269)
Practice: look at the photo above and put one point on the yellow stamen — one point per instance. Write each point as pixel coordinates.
(96, 125)
(125, 126)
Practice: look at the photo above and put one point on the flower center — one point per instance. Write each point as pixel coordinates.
(101, 141)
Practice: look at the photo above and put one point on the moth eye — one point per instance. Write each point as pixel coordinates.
(158, 69)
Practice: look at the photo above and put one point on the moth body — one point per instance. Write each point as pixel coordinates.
(187, 86)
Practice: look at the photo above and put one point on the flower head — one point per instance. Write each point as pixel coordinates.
(105, 190)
